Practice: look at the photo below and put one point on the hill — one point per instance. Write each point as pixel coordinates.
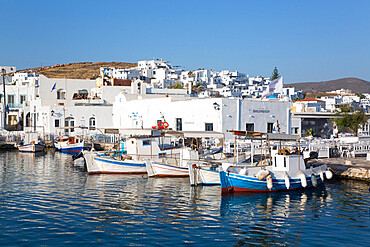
(354, 84)
(81, 70)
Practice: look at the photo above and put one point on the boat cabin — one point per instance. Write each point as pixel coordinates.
(288, 162)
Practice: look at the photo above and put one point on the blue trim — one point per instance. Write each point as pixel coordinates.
(122, 163)
(74, 149)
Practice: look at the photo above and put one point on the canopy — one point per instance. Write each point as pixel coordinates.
(270, 136)
(195, 134)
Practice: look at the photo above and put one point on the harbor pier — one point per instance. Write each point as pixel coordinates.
(350, 168)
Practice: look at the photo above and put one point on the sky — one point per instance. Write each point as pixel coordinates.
(306, 40)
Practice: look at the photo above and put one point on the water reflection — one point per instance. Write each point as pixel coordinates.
(271, 218)
(47, 199)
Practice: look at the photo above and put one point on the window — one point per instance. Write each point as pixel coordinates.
(82, 91)
(284, 161)
(146, 142)
(1, 98)
(270, 127)
(92, 123)
(56, 123)
(61, 94)
(179, 124)
(249, 126)
(209, 126)
(162, 155)
(28, 120)
(23, 99)
(69, 122)
(11, 99)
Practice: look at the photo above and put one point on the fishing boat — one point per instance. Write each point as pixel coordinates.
(282, 170)
(31, 143)
(101, 163)
(69, 144)
(130, 157)
(174, 162)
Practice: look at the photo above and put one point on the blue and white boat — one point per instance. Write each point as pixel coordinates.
(280, 171)
(69, 144)
(131, 156)
(101, 163)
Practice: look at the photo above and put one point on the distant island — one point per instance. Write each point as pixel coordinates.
(356, 85)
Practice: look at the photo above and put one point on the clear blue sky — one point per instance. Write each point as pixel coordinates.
(306, 40)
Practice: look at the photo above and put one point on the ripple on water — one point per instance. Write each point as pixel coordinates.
(47, 200)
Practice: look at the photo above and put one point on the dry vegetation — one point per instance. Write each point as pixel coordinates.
(81, 70)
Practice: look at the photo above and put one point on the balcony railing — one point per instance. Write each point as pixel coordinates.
(15, 105)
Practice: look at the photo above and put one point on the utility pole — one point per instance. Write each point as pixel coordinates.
(4, 95)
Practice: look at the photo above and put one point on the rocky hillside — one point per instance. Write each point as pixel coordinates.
(81, 70)
(354, 84)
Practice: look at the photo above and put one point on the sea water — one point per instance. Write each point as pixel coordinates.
(50, 200)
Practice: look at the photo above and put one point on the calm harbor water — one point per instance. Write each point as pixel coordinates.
(50, 200)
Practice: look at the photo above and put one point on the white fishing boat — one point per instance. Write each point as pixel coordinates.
(31, 143)
(156, 169)
(175, 162)
(131, 156)
(100, 163)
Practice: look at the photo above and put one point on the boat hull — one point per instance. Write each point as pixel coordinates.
(31, 148)
(202, 176)
(71, 150)
(66, 147)
(106, 165)
(235, 183)
(155, 169)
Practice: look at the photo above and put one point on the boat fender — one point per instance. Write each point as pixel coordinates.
(328, 174)
(287, 181)
(322, 176)
(262, 174)
(314, 180)
(303, 180)
(269, 182)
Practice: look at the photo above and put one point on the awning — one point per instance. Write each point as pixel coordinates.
(270, 136)
(195, 134)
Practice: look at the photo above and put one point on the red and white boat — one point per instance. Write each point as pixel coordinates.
(175, 162)
(31, 143)
(156, 169)
(32, 147)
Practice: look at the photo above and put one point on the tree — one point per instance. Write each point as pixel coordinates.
(349, 118)
(275, 74)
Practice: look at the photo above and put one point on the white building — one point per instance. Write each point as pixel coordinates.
(209, 114)
(308, 105)
(19, 90)
(60, 103)
(331, 102)
(8, 69)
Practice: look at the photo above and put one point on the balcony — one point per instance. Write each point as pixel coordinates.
(15, 105)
